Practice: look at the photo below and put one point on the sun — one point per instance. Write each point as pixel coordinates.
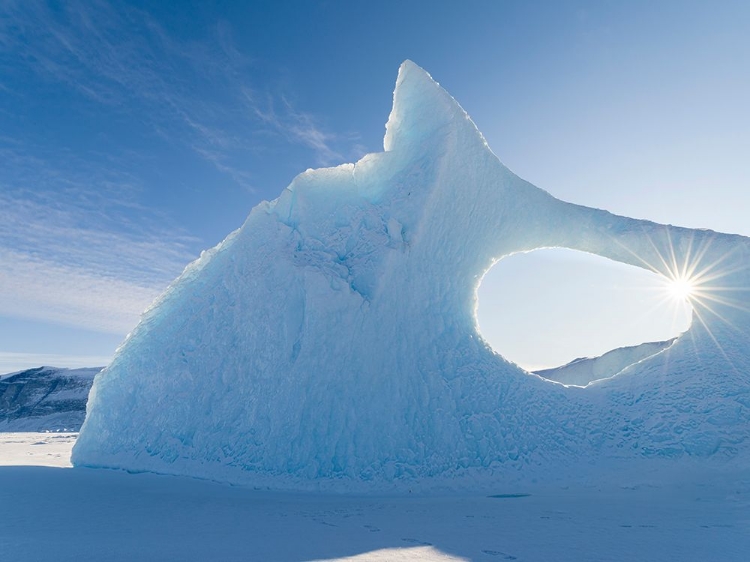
(681, 288)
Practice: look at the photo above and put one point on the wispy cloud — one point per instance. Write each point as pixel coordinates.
(296, 126)
(78, 243)
(43, 290)
(200, 94)
(75, 245)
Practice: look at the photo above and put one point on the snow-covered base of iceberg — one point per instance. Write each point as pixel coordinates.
(331, 342)
(111, 516)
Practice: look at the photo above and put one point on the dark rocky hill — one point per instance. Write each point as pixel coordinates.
(45, 399)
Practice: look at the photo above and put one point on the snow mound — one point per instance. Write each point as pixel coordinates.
(331, 341)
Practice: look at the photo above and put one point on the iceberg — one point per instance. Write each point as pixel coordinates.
(331, 342)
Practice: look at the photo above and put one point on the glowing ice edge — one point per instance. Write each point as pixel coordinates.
(331, 342)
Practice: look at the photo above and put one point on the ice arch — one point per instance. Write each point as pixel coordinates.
(554, 306)
(330, 341)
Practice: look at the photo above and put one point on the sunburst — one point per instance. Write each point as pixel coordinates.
(680, 288)
(711, 281)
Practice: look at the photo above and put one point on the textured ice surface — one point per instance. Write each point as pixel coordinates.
(331, 341)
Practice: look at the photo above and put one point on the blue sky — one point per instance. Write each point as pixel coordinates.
(135, 134)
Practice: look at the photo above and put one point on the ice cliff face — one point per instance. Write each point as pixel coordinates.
(331, 341)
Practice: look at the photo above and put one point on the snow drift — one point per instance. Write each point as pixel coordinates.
(331, 341)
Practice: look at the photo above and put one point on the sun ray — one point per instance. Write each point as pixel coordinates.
(703, 284)
(688, 278)
(716, 341)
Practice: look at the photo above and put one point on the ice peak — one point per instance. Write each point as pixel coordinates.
(420, 107)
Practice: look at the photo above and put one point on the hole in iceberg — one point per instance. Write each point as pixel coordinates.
(574, 317)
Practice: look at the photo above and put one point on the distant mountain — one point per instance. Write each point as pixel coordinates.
(45, 399)
(585, 370)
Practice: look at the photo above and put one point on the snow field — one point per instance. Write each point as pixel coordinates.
(36, 449)
(51, 513)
